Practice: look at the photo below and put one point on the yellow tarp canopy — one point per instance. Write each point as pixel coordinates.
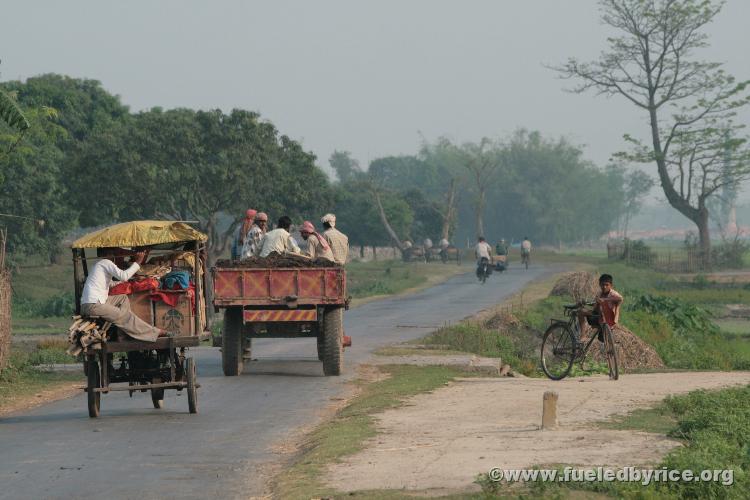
(140, 233)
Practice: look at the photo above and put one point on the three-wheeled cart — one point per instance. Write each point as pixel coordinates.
(121, 363)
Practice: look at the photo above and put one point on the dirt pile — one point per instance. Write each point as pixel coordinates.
(632, 352)
(580, 285)
(276, 260)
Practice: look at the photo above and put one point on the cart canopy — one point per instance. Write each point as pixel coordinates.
(140, 233)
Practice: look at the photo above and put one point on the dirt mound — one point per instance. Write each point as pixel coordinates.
(276, 260)
(580, 285)
(632, 351)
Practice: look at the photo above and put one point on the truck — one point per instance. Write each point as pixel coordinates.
(280, 302)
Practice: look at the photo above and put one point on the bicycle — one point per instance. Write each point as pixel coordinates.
(525, 258)
(561, 345)
(483, 270)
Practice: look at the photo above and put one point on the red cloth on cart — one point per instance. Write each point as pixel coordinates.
(172, 298)
(125, 288)
(128, 287)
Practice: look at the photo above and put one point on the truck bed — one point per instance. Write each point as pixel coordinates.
(279, 286)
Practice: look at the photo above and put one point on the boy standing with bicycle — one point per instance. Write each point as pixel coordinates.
(607, 307)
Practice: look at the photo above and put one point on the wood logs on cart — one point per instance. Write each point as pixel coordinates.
(85, 334)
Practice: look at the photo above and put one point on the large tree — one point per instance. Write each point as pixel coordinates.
(32, 188)
(204, 165)
(689, 103)
(483, 161)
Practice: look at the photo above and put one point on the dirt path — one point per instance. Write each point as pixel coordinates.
(441, 441)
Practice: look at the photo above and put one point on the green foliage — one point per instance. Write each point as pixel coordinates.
(519, 349)
(730, 254)
(529, 194)
(32, 185)
(62, 304)
(11, 114)
(682, 316)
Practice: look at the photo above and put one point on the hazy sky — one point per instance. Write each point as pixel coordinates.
(368, 77)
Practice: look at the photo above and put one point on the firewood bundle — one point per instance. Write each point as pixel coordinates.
(85, 334)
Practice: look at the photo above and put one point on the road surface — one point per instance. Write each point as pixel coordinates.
(134, 451)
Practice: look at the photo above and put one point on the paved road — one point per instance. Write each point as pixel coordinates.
(134, 451)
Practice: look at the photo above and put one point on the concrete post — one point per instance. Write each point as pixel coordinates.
(549, 410)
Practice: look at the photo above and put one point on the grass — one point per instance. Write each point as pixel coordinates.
(346, 433)
(40, 326)
(714, 427)
(369, 279)
(21, 379)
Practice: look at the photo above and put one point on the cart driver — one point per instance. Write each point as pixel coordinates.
(97, 303)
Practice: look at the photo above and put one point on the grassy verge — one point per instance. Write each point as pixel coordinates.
(379, 278)
(21, 380)
(679, 319)
(346, 433)
(715, 429)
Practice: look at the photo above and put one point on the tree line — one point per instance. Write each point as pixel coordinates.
(87, 160)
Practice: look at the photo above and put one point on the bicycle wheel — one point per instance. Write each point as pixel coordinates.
(558, 351)
(611, 351)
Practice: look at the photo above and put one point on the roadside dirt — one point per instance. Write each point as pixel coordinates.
(53, 392)
(441, 441)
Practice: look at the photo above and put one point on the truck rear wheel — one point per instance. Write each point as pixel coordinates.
(321, 346)
(231, 348)
(333, 349)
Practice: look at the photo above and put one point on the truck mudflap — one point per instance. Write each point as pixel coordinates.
(273, 315)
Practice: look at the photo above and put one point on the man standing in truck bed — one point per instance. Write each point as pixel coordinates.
(337, 240)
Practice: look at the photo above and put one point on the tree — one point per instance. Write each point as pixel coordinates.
(187, 165)
(637, 185)
(32, 188)
(483, 162)
(689, 103)
(347, 168)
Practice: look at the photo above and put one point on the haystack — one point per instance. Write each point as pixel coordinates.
(632, 352)
(580, 285)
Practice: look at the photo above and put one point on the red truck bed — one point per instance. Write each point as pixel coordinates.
(275, 286)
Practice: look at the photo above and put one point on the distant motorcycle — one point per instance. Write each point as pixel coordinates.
(484, 269)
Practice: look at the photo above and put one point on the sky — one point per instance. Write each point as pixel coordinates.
(371, 77)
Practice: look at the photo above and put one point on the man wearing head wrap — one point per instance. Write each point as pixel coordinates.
(251, 246)
(337, 240)
(317, 246)
(239, 237)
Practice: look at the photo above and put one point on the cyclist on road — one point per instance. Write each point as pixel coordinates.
(483, 250)
(526, 246)
(607, 307)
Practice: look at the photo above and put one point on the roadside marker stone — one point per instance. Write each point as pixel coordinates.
(549, 410)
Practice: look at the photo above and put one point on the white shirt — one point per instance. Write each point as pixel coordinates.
(483, 249)
(526, 245)
(99, 281)
(279, 240)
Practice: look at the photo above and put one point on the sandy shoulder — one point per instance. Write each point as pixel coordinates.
(442, 440)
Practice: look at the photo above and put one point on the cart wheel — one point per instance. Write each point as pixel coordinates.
(157, 395)
(333, 351)
(231, 348)
(94, 398)
(192, 392)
